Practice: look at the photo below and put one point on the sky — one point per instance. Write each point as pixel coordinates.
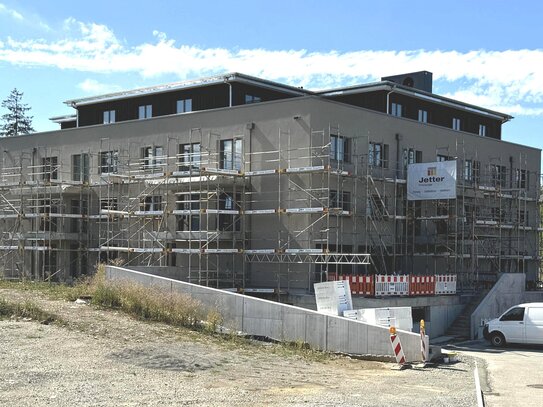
(484, 52)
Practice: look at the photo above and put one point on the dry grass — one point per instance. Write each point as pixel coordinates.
(148, 304)
(26, 310)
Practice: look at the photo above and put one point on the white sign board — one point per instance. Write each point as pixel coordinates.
(333, 297)
(398, 317)
(436, 180)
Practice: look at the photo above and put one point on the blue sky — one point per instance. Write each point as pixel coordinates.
(483, 52)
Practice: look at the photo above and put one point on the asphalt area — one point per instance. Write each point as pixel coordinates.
(510, 376)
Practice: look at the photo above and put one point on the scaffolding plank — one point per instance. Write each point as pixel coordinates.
(297, 170)
(112, 212)
(186, 212)
(148, 213)
(221, 251)
(221, 211)
(147, 249)
(260, 211)
(260, 172)
(186, 251)
(305, 210)
(37, 248)
(219, 171)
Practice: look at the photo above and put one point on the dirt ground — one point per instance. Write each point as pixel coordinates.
(105, 358)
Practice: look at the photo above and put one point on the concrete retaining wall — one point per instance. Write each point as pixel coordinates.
(509, 290)
(283, 322)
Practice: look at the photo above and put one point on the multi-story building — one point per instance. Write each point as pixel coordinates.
(235, 181)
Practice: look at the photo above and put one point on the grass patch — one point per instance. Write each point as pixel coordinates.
(26, 309)
(149, 304)
(55, 291)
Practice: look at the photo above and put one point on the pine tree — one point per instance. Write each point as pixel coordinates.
(16, 121)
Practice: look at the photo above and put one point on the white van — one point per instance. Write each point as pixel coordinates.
(522, 323)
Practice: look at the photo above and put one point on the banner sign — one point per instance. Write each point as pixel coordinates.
(435, 180)
(333, 297)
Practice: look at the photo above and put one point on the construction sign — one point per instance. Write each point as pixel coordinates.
(435, 180)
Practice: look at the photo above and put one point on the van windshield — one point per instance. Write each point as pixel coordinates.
(515, 314)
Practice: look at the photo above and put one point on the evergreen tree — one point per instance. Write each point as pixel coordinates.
(16, 121)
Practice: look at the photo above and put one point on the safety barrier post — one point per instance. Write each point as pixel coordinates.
(423, 345)
(397, 347)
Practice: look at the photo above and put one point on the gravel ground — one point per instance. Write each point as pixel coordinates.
(104, 358)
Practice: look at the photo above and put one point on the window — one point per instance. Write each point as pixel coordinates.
(396, 110)
(497, 214)
(378, 155)
(516, 314)
(468, 170)
(423, 116)
(152, 203)
(521, 178)
(184, 105)
(229, 222)
(456, 124)
(476, 171)
(145, 111)
(231, 154)
(153, 157)
(47, 222)
(109, 116)
(189, 157)
(339, 150)
(411, 156)
(498, 174)
(482, 130)
(80, 167)
(109, 204)
(376, 206)
(109, 162)
(252, 99)
(522, 216)
(341, 200)
(79, 207)
(49, 168)
(192, 221)
(443, 157)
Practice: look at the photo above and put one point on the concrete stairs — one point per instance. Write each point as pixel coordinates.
(460, 328)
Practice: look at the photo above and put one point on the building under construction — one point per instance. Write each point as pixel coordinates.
(234, 181)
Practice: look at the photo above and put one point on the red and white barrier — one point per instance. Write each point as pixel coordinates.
(382, 285)
(386, 285)
(445, 284)
(422, 285)
(366, 286)
(360, 285)
(397, 346)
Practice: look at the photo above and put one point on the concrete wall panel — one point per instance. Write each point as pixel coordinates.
(259, 317)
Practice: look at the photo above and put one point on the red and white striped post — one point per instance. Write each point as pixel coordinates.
(397, 346)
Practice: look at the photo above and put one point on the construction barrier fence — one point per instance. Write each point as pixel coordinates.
(383, 285)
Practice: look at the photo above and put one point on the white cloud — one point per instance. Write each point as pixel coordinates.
(93, 87)
(509, 81)
(13, 13)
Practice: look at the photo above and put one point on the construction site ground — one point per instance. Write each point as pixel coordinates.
(106, 358)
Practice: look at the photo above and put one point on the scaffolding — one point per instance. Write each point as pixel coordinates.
(224, 211)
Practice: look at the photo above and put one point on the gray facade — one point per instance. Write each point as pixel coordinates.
(256, 195)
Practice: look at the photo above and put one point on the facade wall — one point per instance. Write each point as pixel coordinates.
(372, 216)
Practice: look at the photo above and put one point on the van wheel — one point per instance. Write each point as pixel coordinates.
(497, 339)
